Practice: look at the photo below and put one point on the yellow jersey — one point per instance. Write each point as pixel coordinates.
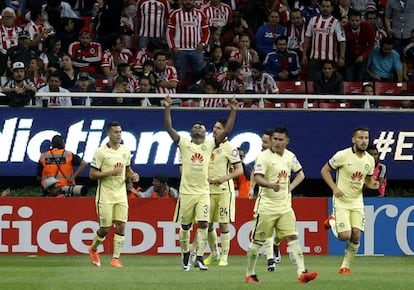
(351, 171)
(195, 160)
(275, 168)
(221, 161)
(111, 189)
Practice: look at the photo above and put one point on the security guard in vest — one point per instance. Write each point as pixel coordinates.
(58, 163)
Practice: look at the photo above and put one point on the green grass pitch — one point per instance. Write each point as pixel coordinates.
(164, 272)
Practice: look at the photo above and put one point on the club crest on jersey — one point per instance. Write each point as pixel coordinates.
(212, 157)
(92, 50)
(204, 147)
(282, 175)
(197, 157)
(357, 176)
(235, 153)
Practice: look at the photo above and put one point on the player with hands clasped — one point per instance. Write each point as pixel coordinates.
(193, 203)
(354, 168)
(111, 167)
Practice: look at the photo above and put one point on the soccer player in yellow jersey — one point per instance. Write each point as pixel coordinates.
(225, 165)
(354, 168)
(193, 203)
(273, 209)
(111, 167)
(271, 245)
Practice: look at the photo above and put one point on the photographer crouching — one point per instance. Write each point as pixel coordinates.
(51, 188)
(57, 164)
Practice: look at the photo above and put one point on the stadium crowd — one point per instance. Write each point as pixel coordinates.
(200, 46)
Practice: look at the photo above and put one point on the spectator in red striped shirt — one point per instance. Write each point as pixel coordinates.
(218, 14)
(150, 21)
(114, 56)
(323, 34)
(165, 76)
(263, 83)
(187, 37)
(231, 80)
(8, 36)
(143, 55)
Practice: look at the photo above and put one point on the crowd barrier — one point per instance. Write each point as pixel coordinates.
(278, 101)
(67, 225)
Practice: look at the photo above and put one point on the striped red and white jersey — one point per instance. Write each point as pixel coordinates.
(8, 37)
(141, 56)
(133, 85)
(187, 29)
(218, 16)
(168, 74)
(266, 85)
(35, 29)
(248, 59)
(296, 37)
(229, 85)
(110, 60)
(325, 34)
(379, 34)
(152, 17)
(216, 103)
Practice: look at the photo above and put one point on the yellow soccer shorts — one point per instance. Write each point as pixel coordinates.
(263, 226)
(346, 219)
(192, 207)
(222, 207)
(109, 212)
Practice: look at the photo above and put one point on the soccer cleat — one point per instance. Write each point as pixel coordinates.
(94, 255)
(223, 263)
(306, 276)
(326, 224)
(278, 256)
(115, 262)
(271, 265)
(252, 279)
(200, 264)
(186, 262)
(210, 259)
(344, 271)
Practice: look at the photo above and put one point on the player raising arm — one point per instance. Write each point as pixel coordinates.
(193, 203)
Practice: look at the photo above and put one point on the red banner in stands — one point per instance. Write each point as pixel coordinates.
(66, 226)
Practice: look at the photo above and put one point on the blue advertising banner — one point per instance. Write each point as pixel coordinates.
(389, 228)
(314, 136)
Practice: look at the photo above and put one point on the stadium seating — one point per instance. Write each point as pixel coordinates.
(389, 88)
(103, 85)
(292, 87)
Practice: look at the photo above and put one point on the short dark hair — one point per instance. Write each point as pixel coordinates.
(360, 128)
(281, 130)
(281, 37)
(58, 142)
(233, 66)
(112, 124)
(161, 177)
(222, 121)
(258, 65)
(353, 12)
(122, 67)
(268, 132)
(386, 40)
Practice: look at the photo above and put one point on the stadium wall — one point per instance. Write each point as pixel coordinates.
(315, 135)
(67, 225)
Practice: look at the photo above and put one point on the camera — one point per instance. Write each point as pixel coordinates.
(74, 190)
